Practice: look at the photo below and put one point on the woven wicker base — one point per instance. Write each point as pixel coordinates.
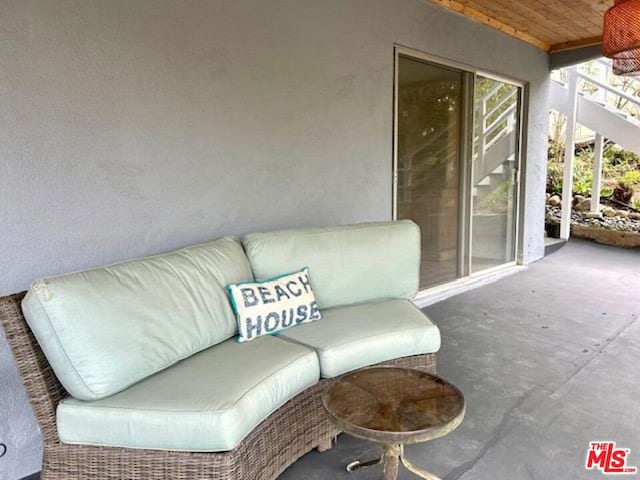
(294, 429)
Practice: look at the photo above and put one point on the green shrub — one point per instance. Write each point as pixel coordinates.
(618, 166)
(499, 200)
(583, 172)
(554, 185)
(606, 192)
(632, 177)
(617, 162)
(582, 186)
(618, 156)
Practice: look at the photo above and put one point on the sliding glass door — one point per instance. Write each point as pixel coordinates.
(495, 167)
(428, 162)
(457, 146)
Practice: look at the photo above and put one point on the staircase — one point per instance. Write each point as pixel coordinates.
(495, 140)
(585, 99)
(494, 148)
(595, 110)
(495, 143)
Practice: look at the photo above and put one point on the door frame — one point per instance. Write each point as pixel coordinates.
(466, 151)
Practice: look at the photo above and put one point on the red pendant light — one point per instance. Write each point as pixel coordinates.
(621, 36)
(628, 65)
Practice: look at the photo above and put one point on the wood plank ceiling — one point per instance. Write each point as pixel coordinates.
(551, 25)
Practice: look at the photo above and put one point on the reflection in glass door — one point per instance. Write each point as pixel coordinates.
(495, 164)
(457, 154)
(428, 162)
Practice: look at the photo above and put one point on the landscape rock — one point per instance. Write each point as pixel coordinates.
(583, 205)
(554, 200)
(606, 220)
(622, 213)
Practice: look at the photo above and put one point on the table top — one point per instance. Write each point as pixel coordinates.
(394, 405)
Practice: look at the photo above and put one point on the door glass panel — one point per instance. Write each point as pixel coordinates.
(428, 162)
(495, 163)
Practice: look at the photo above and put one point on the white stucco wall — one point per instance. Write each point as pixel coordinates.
(132, 128)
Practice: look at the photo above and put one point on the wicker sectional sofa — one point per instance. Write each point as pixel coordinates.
(133, 371)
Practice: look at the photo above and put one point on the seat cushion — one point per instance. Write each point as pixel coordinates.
(107, 328)
(206, 403)
(359, 335)
(347, 264)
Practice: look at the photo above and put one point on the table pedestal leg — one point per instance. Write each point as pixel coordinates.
(416, 470)
(355, 465)
(391, 461)
(392, 457)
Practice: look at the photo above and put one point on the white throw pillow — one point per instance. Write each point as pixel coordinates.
(264, 308)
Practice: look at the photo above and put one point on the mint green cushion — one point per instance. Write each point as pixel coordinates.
(206, 403)
(107, 328)
(359, 335)
(347, 264)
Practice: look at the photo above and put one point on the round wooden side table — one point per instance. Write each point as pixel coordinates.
(394, 406)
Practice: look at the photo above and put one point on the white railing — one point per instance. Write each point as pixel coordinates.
(491, 128)
(608, 89)
(495, 121)
(596, 88)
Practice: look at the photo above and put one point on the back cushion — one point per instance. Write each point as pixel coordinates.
(107, 328)
(347, 264)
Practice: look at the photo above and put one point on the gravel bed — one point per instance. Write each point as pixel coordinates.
(609, 223)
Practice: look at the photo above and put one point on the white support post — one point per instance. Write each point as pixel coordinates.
(478, 169)
(596, 185)
(569, 150)
(602, 76)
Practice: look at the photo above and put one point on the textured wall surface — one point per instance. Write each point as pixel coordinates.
(132, 128)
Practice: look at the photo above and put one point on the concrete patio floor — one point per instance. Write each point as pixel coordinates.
(548, 359)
